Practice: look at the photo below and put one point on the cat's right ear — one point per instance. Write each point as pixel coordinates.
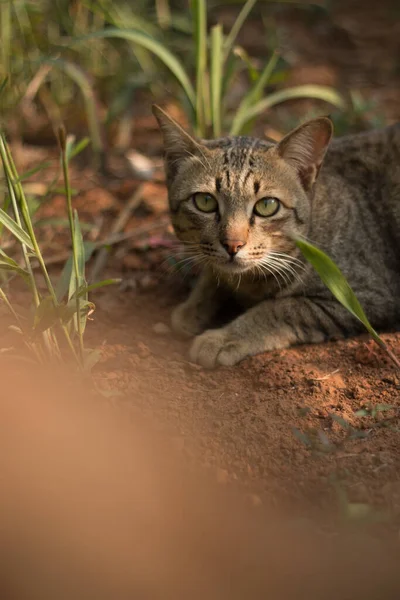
(178, 144)
(305, 148)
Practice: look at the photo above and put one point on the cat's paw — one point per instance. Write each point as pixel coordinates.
(216, 347)
(186, 322)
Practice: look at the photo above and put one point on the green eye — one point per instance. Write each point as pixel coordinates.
(205, 202)
(267, 207)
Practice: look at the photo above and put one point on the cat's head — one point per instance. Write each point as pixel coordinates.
(239, 202)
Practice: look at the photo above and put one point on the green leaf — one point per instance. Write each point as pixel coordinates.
(230, 40)
(34, 170)
(67, 311)
(63, 282)
(78, 148)
(334, 279)
(362, 412)
(199, 10)
(317, 92)
(3, 84)
(342, 422)
(5, 266)
(161, 51)
(90, 358)
(15, 229)
(253, 95)
(82, 80)
(77, 280)
(80, 252)
(97, 285)
(61, 222)
(216, 61)
(45, 315)
(336, 282)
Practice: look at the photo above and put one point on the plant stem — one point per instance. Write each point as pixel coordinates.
(68, 194)
(16, 184)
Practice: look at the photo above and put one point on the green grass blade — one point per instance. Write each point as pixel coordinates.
(230, 40)
(317, 92)
(79, 77)
(97, 285)
(3, 84)
(65, 277)
(199, 8)
(254, 95)
(15, 229)
(334, 279)
(77, 280)
(336, 282)
(216, 62)
(75, 149)
(9, 264)
(154, 46)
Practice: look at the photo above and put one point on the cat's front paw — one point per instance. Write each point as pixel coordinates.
(217, 347)
(186, 322)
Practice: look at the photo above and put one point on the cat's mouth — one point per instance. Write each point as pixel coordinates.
(235, 264)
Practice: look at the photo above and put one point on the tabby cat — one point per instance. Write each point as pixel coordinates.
(238, 203)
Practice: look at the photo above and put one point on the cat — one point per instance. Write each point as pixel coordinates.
(237, 205)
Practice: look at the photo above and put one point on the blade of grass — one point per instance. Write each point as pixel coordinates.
(216, 66)
(317, 92)
(15, 229)
(244, 13)
(63, 282)
(254, 95)
(199, 9)
(6, 36)
(34, 170)
(336, 282)
(154, 46)
(50, 340)
(3, 84)
(97, 285)
(76, 239)
(82, 81)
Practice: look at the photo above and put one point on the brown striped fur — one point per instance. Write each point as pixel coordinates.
(350, 208)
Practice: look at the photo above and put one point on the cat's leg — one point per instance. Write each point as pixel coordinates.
(272, 325)
(195, 315)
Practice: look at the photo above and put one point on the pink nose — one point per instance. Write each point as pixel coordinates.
(233, 246)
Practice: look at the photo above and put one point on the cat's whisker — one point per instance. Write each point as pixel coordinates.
(268, 268)
(287, 257)
(295, 274)
(284, 265)
(289, 269)
(239, 282)
(277, 268)
(188, 261)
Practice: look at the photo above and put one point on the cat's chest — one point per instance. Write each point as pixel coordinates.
(250, 292)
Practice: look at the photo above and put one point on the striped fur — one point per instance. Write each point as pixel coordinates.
(349, 207)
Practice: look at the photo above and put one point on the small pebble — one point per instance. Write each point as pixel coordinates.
(161, 329)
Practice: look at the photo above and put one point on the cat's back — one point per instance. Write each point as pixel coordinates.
(373, 152)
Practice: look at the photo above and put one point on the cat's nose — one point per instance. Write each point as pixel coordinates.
(233, 246)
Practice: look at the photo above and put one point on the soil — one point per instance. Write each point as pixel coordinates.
(283, 426)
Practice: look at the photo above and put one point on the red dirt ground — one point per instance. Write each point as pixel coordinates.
(244, 422)
(281, 425)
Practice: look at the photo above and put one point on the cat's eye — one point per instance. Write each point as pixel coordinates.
(205, 202)
(267, 207)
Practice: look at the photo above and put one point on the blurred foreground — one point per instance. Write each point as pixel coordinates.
(96, 504)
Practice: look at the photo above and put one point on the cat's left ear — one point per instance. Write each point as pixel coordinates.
(178, 144)
(305, 148)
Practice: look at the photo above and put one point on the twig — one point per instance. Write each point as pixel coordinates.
(117, 226)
